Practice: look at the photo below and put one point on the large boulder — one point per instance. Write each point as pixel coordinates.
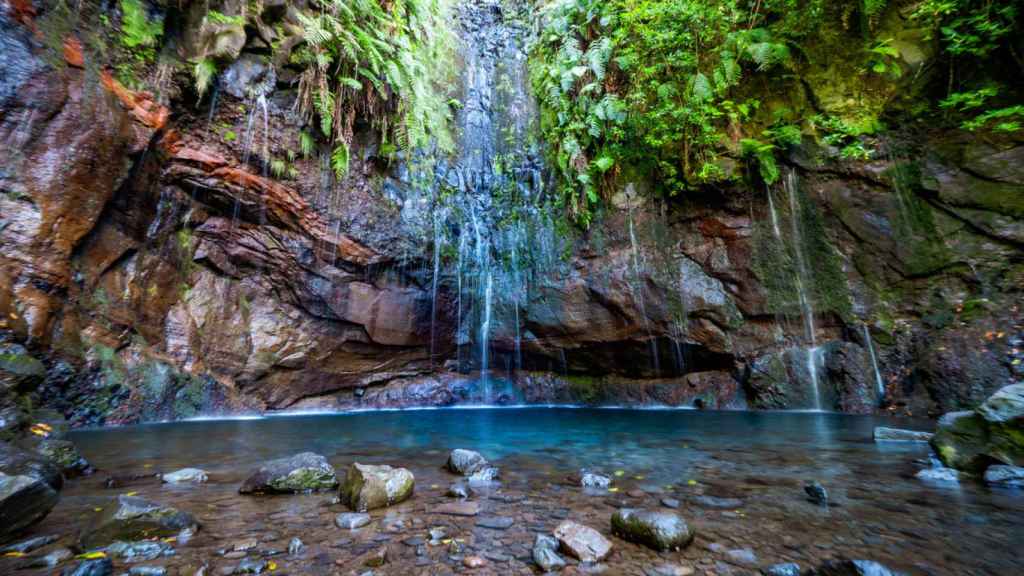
(368, 487)
(960, 441)
(129, 518)
(582, 542)
(24, 500)
(1006, 406)
(994, 433)
(305, 472)
(655, 529)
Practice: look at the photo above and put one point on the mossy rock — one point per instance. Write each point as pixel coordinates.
(305, 472)
(961, 440)
(655, 529)
(129, 518)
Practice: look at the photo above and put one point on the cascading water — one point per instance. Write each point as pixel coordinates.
(879, 385)
(489, 226)
(802, 279)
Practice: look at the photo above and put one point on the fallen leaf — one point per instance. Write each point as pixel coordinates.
(691, 482)
(620, 472)
(92, 555)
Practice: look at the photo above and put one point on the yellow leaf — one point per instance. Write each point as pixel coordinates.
(39, 432)
(620, 472)
(272, 566)
(613, 489)
(97, 509)
(131, 494)
(170, 539)
(691, 482)
(14, 554)
(434, 486)
(446, 541)
(147, 465)
(639, 477)
(44, 426)
(92, 555)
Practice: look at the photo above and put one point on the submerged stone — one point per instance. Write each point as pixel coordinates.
(1005, 406)
(886, 434)
(305, 472)
(656, 529)
(943, 475)
(1005, 476)
(98, 567)
(594, 480)
(352, 520)
(786, 569)
(459, 490)
(129, 519)
(545, 553)
(24, 500)
(854, 568)
(582, 542)
(28, 545)
(185, 476)
(368, 487)
(816, 493)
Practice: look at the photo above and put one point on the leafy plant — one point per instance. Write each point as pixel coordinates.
(388, 62)
(883, 59)
(204, 71)
(137, 31)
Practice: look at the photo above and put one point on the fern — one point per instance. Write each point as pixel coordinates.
(339, 159)
(204, 72)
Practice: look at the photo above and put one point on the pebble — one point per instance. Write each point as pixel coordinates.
(817, 493)
(786, 569)
(743, 556)
(474, 562)
(295, 546)
(670, 503)
(458, 508)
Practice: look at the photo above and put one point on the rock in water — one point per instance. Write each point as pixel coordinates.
(946, 475)
(854, 568)
(295, 547)
(885, 434)
(99, 567)
(658, 530)
(185, 476)
(368, 487)
(64, 454)
(352, 520)
(17, 462)
(582, 542)
(305, 472)
(485, 475)
(545, 554)
(465, 462)
(129, 518)
(459, 490)
(817, 493)
(24, 500)
(29, 545)
(970, 441)
(594, 480)
(787, 569)
(1005, 476)
(960, 441)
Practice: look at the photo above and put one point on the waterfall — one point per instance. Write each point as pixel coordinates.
(638, 288)
(879, 385)
(802, 278)
(489, 219)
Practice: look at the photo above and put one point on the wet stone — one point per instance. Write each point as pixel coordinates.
(668, 570)
(304, 472)
(714, 502)
(29, 545)
(465, 462)
(368, 487)
(458, 508)
(474, 562)
(594, 480)
(670, 503)
(459, 490)
(785, 569)
(1005, 476)
(352, 520)
(50, 559)
(251, 566)
(939, 475)
(655, 529)
(854, 568)
(582, 542)
(816, 493)
(141, 550)
(129, 518)
(545, 553)
(886, 434)
(495, 522)
(185, 476)
(147, 571)
(744, 556)
(295, 547)
(99, 567)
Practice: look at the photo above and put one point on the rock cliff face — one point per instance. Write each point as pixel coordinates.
(152, 267)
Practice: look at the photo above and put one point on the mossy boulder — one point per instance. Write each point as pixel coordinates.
(369, 487)
(305, 472)
(655, 529)
(993, 433)
(960, 441)
(129, 518)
